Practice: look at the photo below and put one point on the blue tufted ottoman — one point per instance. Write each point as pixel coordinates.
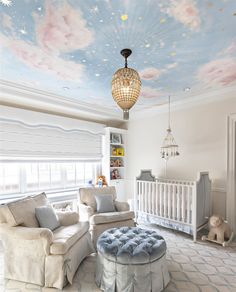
(131, 259)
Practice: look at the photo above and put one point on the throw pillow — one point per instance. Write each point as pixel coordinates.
(40, 200)
(104, 203)
(23, 211)
(47, 217)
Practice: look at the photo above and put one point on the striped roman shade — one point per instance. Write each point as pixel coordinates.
(21, 139)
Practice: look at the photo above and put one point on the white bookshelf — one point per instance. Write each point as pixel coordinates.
(114, 159)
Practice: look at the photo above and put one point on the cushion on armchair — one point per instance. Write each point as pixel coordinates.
(67, 218)
(47, 217)
(87, 195)
(105, 203)
(40, 200)
(102, 218)
(23, 210)
(65, 236)
(121, 206)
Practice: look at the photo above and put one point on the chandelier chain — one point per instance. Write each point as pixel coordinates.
(169, 113)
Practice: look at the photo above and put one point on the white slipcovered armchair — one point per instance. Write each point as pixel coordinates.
(38, 255)
(99, 222)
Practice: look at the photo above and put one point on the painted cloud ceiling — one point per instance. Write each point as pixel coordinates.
(72, 48)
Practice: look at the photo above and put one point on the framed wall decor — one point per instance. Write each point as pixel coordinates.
(116, 138)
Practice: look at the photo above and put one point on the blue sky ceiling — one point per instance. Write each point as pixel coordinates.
(72, 48)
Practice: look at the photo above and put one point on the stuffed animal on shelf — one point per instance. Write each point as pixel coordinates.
(101, 181)
(113, 151)
(118, 163)
(219, 230)
(115, 174)
(112, 163)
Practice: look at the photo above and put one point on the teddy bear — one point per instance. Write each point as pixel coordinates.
(101, 179)
(219, 229)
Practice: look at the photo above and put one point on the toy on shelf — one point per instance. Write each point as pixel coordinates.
(219, 231)
(120, 151)
(115, 174)
(113, 151)
(117, 151)
(112, 163)
(116, 162)
(101, 181)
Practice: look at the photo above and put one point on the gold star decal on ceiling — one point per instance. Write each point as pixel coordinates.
(124, 17)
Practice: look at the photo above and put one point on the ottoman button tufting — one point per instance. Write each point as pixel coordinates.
(131, 257)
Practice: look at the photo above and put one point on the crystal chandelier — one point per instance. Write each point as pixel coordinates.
(169, 147)
(126, 86)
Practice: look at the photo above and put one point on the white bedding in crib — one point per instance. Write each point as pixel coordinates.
(153, 219)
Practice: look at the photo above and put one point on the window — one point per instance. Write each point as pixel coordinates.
(9, 178)
(26, 177)
(43, 175)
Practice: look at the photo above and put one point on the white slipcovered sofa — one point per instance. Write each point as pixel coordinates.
(38, 255)
(99, 222)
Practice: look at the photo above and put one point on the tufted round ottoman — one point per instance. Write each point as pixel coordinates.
(131, 259)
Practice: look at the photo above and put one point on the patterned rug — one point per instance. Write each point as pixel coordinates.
(193, 267)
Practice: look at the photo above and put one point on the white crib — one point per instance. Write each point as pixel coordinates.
(178, 204)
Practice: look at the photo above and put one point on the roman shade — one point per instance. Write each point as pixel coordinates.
(42, 140)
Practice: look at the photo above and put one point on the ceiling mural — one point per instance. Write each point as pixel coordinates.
(72, 48)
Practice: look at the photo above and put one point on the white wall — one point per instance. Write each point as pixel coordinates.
(200, 132)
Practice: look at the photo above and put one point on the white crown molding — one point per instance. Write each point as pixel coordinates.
(22, 96)
(26, 97)
(196, 100)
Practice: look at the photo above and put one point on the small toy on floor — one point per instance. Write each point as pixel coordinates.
(219, 231)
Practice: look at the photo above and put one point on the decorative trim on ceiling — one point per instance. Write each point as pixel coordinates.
(15, 94)
(25, 97)
(196, 100)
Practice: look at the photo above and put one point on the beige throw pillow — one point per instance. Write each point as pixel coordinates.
(23, 212)
(40, 200)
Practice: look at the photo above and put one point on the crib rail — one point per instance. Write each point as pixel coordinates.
(167, 199)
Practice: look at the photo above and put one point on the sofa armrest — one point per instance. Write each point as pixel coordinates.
(68, 217)
(85, 212)
(121, 206)
(27, 234)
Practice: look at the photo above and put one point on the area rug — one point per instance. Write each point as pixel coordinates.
(200, 266)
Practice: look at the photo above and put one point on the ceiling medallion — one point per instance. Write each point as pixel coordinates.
(126, 86)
